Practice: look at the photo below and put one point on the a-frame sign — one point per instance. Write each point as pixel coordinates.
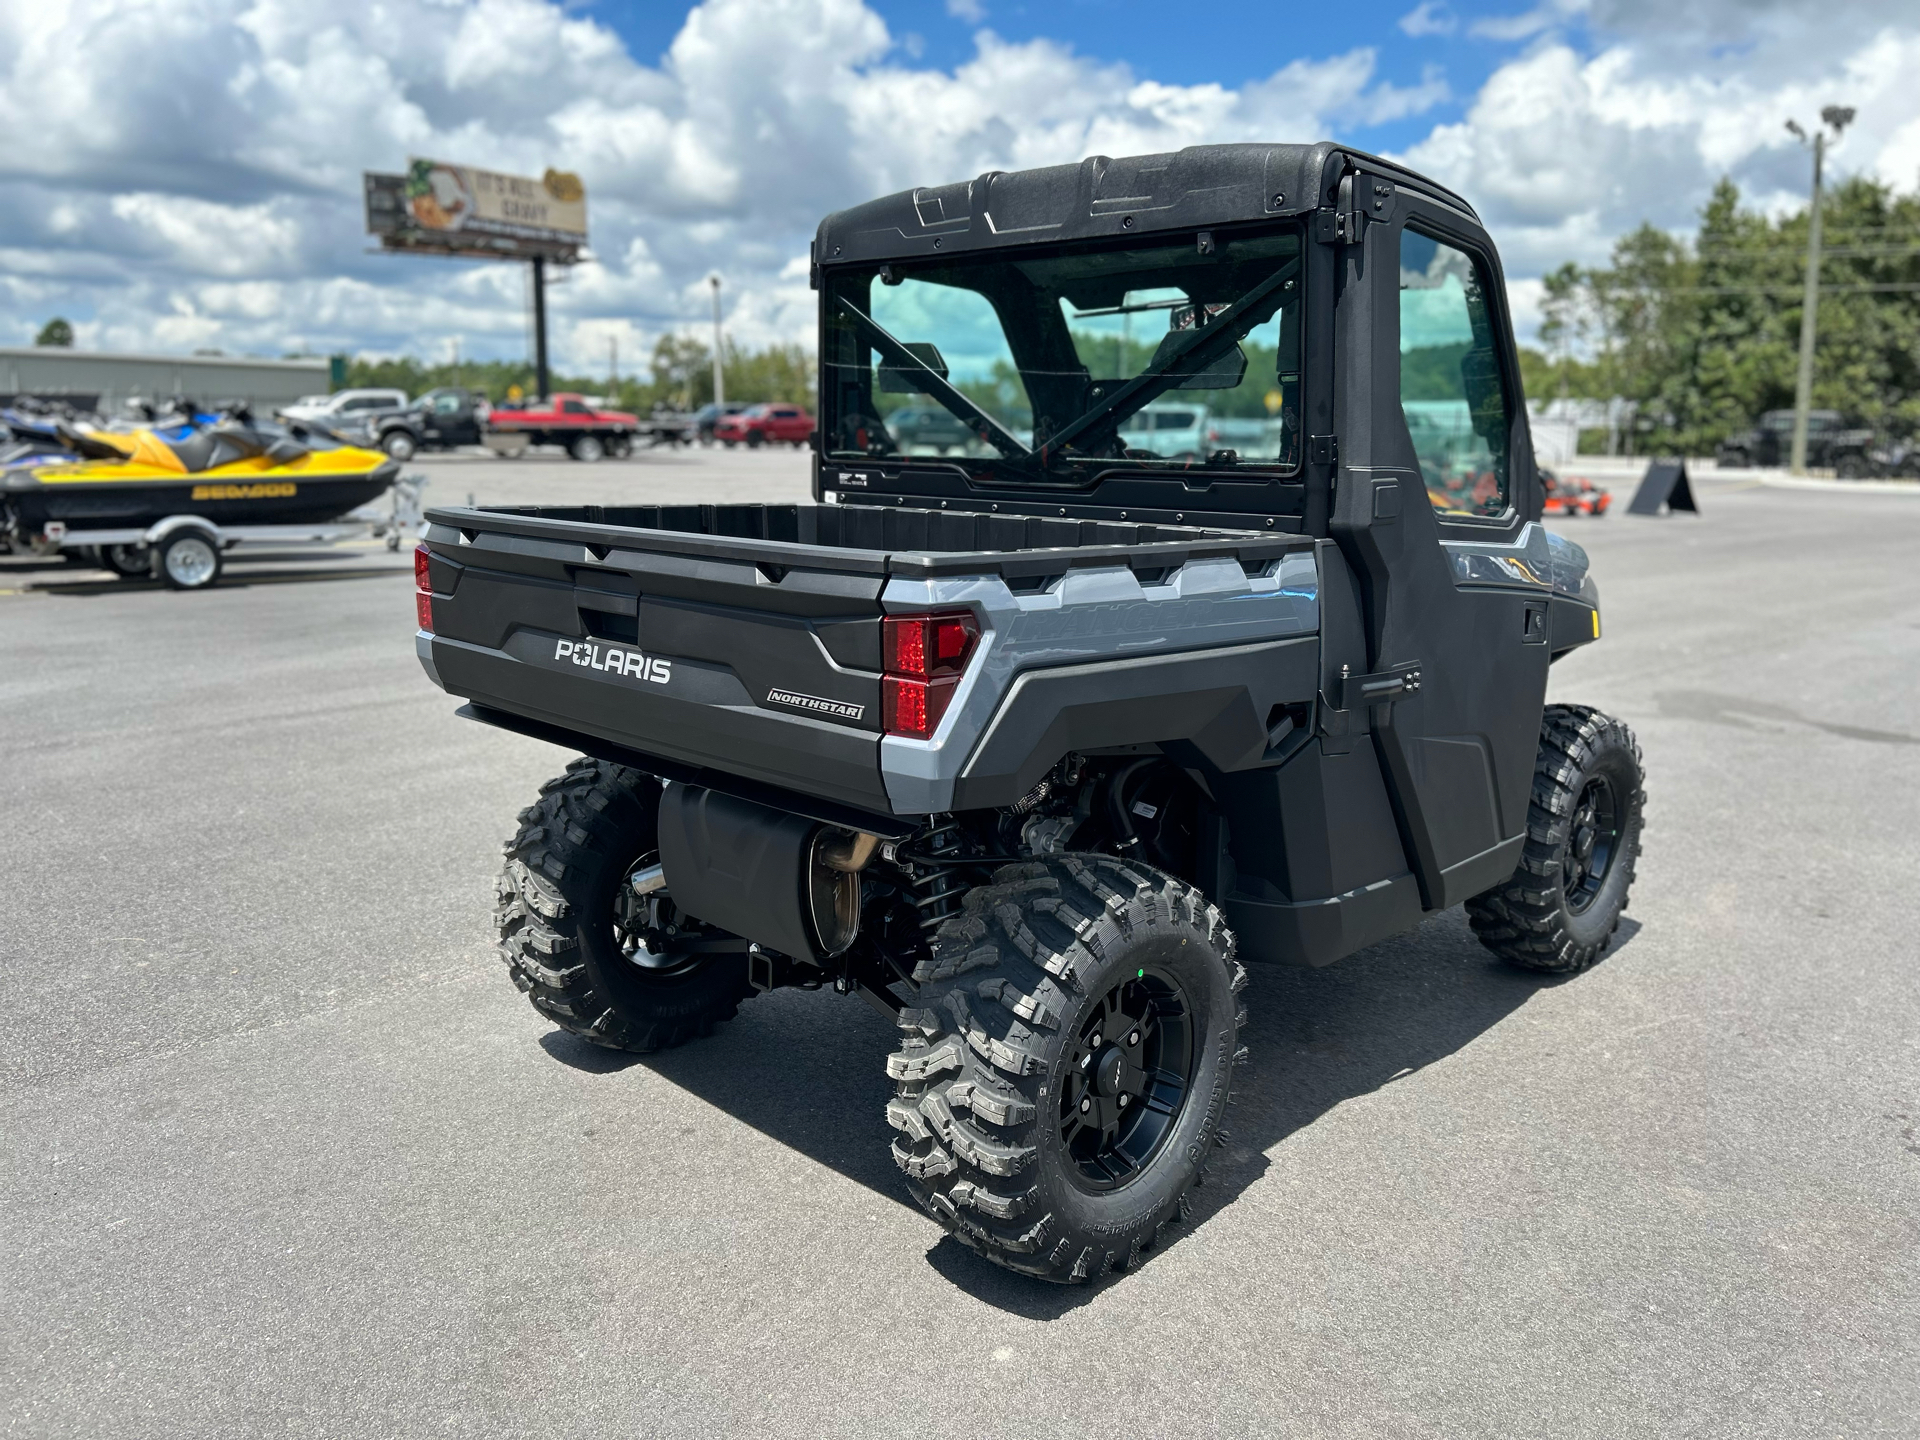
(1665, 484)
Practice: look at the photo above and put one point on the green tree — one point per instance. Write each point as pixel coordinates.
(55, 332)
(1705, 334)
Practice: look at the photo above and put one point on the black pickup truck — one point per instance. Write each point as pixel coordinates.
(1041, 743)
(443, 419)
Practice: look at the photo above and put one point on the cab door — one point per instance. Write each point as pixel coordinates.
(1434, 490)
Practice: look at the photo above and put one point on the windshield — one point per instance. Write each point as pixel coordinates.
(1185, 350)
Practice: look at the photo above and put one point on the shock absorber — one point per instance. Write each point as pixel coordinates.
(937, 888)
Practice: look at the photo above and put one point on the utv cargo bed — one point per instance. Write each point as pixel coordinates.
(670, 631)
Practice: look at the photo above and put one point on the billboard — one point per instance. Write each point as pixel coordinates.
(437, 208)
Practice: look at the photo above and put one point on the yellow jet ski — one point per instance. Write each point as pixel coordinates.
(229, 474)
(143, 502)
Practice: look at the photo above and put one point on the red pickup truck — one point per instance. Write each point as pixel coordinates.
(758, 425)
(568, 421)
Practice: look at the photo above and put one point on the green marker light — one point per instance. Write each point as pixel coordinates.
(1139, 974)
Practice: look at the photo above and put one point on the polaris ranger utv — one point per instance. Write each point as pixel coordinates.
(1038, 744)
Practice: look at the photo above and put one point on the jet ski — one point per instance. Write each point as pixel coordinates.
(229, 473)
(39, 438)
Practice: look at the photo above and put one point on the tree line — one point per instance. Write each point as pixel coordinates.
(1705, 334)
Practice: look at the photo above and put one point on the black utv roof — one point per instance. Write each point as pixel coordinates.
(1102, 197)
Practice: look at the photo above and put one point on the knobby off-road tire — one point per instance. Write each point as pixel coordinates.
(1559, 909)
(575, 847)
(1038, 998)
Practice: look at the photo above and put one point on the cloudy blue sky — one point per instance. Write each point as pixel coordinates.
(184, 174)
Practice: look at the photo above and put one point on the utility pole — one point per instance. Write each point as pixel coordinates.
(613, 369)
(1839, 117)
(719, 381)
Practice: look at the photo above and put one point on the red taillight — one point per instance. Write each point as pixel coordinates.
(923, 656)
(926, 646)
(913, 707)
(422, 589)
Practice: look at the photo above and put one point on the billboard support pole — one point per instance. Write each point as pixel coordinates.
(540, 325)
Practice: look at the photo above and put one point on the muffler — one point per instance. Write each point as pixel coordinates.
(785, 881)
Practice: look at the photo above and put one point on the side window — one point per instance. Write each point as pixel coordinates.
(1450, 387)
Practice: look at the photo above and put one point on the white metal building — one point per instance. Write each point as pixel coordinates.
(109, 381)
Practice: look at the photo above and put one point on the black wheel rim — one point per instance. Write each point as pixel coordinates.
(1593, 837)
(643, 925)
(1127, 1079)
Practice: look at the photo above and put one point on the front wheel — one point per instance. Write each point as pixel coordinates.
(1559, 909)
(1064, 1071)
(399, 445)
(615, 967)
(755, 439)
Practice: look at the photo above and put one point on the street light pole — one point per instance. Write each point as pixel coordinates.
(719, 380)
(1839, 117)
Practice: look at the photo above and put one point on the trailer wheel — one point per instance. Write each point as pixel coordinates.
(399, 445)
(1559, 909)
(567, 919)
(586, 449)
(129, 562)
(187, 560)
(1063, 1075)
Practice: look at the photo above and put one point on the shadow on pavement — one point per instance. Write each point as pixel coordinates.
(805, 1069)
(230, 580)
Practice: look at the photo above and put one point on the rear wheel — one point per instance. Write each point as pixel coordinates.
(1063, 1075)
(593, 955)
(1559, 909)
(755, 439)
(187, 560)
(620, 447)
(586, 449)
(1851, 467)
(129, 562)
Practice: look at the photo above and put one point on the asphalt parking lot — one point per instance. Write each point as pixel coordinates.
(282, 1151)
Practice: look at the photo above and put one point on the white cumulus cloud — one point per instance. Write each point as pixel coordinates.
(186, 173)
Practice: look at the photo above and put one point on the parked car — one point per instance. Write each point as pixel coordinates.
(759, 425)
(928, 428)
(710, 414)
(1573, 495)
(439, 420)
(1832, 444)
(344, 406)
(1171, 432)
(1890, 460)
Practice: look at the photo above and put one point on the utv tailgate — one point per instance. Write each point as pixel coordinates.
(768, 670)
